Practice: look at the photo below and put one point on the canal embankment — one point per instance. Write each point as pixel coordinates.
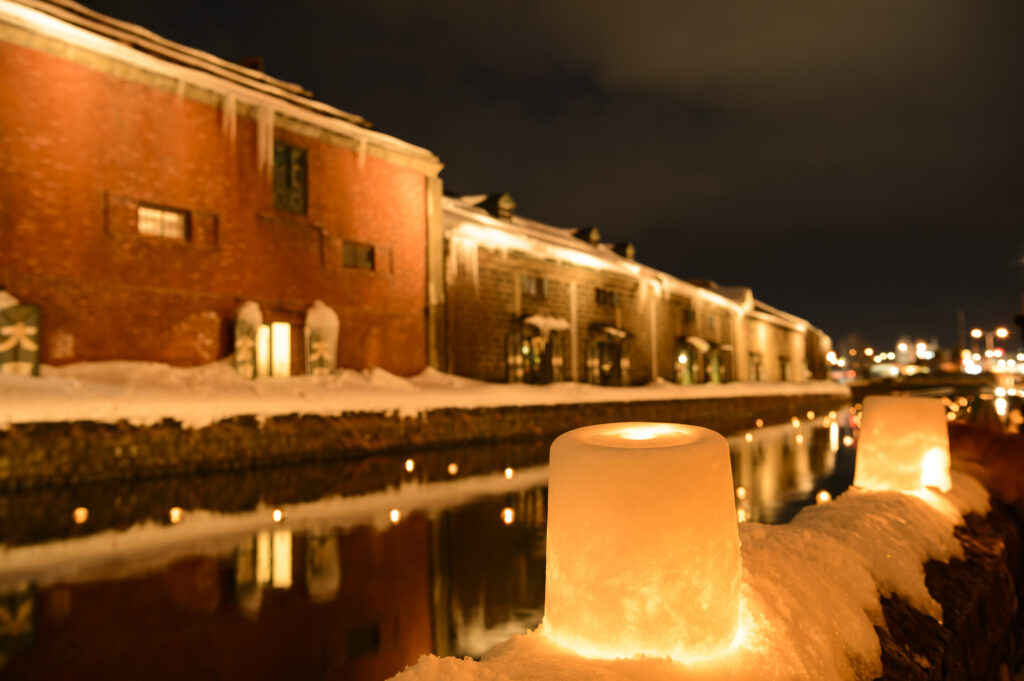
(60, 453)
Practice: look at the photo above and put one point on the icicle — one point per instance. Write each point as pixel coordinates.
(229, 118)
(265, 141)
(465, 256)
(361, 153)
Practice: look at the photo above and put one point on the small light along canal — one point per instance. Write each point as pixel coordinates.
(323, 571)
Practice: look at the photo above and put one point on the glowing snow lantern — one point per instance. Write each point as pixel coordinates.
(175, 515)
(643, 550)
(822, 497)
(453, 468)
(395, 516)
(903, 444)
(80, 515)
(509, 472)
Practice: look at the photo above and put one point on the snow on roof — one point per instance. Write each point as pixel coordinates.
(128, 43)
(465, 219)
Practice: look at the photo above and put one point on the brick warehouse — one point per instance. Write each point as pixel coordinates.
(535, 303)
(148, 189)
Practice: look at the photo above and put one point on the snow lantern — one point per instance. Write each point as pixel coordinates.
(643, 553)
(903, 444)
(321, 334)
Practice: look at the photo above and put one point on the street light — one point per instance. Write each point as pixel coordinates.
(1000, 332)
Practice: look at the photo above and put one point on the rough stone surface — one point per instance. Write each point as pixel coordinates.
(980, 636)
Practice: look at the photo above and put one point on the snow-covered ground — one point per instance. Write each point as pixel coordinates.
(809, 598)
(143, 393)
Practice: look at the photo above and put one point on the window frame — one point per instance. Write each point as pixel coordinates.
(185, 235)
(291, 178)
(358, 250)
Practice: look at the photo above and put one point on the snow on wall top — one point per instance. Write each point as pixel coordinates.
(144, 393)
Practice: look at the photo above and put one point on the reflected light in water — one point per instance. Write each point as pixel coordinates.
(1001, 404)
(508, 515)
(175, 515)
(80, 515)
(822, 497)
(395, 516)
(453, 468)
(509, 472)
(410, 465)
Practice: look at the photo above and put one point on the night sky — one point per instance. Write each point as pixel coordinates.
(859, 163)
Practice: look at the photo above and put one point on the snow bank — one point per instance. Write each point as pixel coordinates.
(810, 598)
(144, 393)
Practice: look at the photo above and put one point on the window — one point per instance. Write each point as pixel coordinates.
(358, 256)
(689, 316)
(289, 178)
(606, 297)
(165, 223)
(533, 286)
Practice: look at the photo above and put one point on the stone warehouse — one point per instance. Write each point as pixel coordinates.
(159, 203)
(148, 189)
(531, 302)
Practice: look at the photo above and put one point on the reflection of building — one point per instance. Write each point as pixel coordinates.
(535, 303)
(152, 188)
(284, 622)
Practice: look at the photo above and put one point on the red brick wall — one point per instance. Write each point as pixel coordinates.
(79, 148)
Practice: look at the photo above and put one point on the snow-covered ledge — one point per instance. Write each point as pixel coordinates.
(811, 597)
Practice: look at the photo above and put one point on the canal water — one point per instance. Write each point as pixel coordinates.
(341, 570)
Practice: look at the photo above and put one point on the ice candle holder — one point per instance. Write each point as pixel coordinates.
(903, 444)
(643, 553)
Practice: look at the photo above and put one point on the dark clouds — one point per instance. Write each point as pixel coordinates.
(857, 162)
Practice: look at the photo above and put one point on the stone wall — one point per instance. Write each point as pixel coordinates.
(33, 455)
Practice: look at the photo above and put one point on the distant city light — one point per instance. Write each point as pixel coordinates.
(869, 351)
(976, 333)
(853, 352)
(1002, 332)
(847, 440)
(902, 347)
(810, 416)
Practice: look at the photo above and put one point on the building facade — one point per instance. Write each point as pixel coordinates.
(535, 303)
(148, 190)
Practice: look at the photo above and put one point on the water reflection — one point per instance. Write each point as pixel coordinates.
(331, 587)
